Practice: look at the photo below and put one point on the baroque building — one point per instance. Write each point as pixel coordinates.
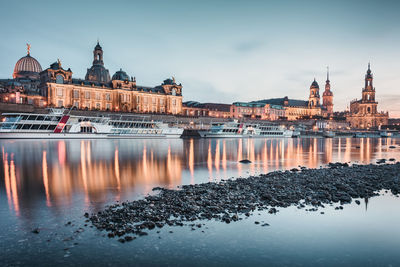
(364, 112)
(24, 85)
(56, 87)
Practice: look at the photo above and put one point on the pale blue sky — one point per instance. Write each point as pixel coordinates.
(221, 51)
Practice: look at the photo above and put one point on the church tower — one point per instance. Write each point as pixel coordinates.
(368, 92)
(327, 96)
(313, 100)
(98, 73)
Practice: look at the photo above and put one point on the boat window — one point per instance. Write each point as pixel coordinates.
(35, 126)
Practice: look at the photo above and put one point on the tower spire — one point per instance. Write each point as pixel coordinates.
(327, 73)
(28, 48)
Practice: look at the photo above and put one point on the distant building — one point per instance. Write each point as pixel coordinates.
(302, 109)
(55, 87)
(257, 110)
(197, 109)
(364, 112)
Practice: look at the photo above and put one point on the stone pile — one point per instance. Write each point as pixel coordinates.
(231, 200)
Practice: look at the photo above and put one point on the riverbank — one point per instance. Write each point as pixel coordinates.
(231, 200)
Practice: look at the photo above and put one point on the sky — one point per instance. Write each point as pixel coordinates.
(221, 51)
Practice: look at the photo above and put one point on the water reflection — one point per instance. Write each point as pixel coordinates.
(97, 172)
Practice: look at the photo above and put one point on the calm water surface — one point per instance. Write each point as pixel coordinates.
(46, 184)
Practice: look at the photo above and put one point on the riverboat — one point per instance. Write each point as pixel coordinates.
(236, 129)
(57, 125)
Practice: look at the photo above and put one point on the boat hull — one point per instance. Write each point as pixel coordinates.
(14, 135)
(206, 134)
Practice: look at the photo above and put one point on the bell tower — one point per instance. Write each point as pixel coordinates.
(98, 73)
(327, 96)
(313, 100)
(368, 92)
(98, 55)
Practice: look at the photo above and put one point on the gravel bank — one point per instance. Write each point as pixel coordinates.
(231, 200)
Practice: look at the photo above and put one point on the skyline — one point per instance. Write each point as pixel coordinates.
(219, 52)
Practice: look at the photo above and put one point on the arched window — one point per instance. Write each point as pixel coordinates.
(173, 91)
(59, 79)
(369, 110)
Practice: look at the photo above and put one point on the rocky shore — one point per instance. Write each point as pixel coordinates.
(231, 200)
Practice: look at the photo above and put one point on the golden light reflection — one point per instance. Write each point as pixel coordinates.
(61, 152)
(224, 155)
(209, 161)
(115, 170)
(84, 171)
(191, 160)
(7, 177)
(217, 158)
(14, 189)
(46, 178)
(240, 156)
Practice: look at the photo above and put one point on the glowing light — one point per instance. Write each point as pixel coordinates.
(45, 178)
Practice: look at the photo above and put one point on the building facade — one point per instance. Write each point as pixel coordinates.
(364, 112)
(196, 109)
(56, 87)
(257, 110)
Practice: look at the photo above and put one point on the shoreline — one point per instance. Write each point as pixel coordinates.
(230, 200)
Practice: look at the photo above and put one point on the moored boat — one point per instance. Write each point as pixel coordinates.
(236, 129)
(57, 125)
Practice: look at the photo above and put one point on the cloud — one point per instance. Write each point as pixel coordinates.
(249, 46)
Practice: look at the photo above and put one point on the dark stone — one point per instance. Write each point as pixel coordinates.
(129, 238)
(36, 231)
(245, 161)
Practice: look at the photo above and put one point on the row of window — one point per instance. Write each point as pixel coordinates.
(107, 97)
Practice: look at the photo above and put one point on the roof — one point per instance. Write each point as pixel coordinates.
(280, 101)
(209, 106)
(253, 104)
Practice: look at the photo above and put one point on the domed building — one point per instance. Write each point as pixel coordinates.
(27, 67)
(98, 73)
(100, 92)
(55, 87)
(24, 85)
(120, 75)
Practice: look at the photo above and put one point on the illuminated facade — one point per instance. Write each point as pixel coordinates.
(23, 88)
(196, 109)
(256, 110)
(55, 87)
(364, 112)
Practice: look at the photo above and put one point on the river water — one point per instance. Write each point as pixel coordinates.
(46, 184)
